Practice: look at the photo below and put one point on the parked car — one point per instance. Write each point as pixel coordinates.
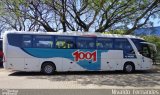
(1, 53)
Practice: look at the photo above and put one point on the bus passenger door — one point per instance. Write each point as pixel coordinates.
(145, 57)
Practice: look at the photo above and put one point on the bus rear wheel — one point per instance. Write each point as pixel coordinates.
(48, 68)
(129, 68)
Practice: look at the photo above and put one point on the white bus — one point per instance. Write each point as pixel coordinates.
(49, 52)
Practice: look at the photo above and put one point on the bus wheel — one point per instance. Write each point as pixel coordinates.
(48, 68)
(128, 68)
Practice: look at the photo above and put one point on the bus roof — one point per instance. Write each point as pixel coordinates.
(75, 33)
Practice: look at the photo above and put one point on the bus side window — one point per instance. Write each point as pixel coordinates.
(86, 42)
(123, 44)
(99, 45)
(108, 45)
(91, 44)
(104, 43)
(65, 42)
(27, 41)
(120, 43)
(43, 41)
(70, 44)
(60, 44)
(80, 45)
(15, 40)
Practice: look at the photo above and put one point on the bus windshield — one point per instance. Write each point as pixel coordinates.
(148, 49)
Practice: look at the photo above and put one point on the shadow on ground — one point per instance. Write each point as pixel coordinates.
(117, 78)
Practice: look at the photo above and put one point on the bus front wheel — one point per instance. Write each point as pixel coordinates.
(128, 68)
(48, 68)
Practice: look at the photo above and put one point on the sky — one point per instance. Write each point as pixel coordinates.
(156, 22)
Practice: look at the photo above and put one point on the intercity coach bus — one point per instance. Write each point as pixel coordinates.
(74, 51)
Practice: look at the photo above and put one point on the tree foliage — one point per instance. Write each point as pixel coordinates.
(153, 39)
(78, 15)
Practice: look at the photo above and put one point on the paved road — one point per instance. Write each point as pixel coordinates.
(80, 80)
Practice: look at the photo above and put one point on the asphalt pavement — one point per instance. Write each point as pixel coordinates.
(80, 80)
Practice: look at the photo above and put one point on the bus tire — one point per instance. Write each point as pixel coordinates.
(129, 67)
(48, 68)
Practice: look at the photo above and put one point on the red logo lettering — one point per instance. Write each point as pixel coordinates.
(79, 55)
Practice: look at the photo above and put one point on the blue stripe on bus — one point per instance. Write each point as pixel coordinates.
(66, 53)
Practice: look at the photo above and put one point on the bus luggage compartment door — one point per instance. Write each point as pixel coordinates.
(111, 59)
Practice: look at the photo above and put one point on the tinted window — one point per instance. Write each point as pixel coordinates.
(104, 43)
(66, 42)
(42, 41)
(138, 44)
(122, 44)
(86, 42)
(27, 41)
(14, 39)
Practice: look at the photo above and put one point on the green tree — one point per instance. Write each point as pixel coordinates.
(80, 15)
(153, 39)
